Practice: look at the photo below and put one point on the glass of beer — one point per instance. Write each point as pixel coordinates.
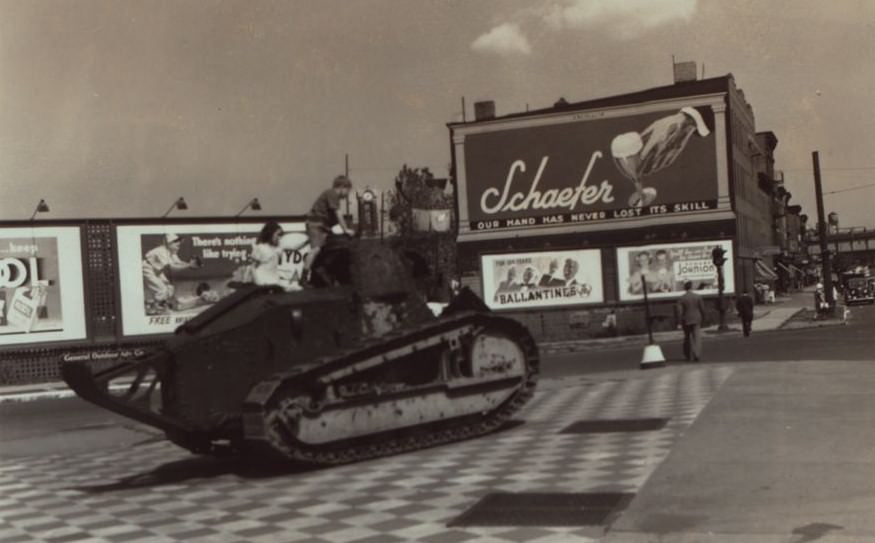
(625, 149)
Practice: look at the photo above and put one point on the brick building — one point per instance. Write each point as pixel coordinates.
(567, 213)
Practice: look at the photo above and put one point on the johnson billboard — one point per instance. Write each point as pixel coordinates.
(595, 169)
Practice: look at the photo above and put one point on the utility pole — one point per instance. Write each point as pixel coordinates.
(348, 216)
(825, 259)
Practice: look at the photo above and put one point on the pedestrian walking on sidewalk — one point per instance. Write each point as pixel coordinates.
(744, 306)
(691, 309)
(821, 307)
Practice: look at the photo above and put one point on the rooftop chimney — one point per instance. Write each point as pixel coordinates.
(684, 71)
(484, 110)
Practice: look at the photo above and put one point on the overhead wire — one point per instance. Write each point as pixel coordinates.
(850, 189)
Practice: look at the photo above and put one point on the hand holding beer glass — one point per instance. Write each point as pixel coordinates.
(638, 155)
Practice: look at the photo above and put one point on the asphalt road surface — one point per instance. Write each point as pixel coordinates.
(72, 425)
(853, 341)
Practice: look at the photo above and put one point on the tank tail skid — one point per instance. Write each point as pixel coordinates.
(362, 404)
(141, 379)
(134, 389)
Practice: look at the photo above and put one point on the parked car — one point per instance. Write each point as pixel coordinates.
(859, 290)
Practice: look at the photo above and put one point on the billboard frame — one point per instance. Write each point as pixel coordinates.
(599, 255)
(69, 301)
(728, 270)
(714, 97)
(252, 227)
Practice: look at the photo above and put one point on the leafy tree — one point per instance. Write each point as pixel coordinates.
(416, 188)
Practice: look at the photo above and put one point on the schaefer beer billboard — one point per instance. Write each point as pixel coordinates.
(170, 273)
(543, 279)
(41, 287)
(664, 269)
(592, 170)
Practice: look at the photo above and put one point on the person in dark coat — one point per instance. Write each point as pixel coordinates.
(691, 311)
(744, 306)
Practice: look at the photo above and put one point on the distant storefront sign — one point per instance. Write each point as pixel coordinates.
(41, 285)
(665, 268)
(158, 294)
(542, 279)
(592, 170)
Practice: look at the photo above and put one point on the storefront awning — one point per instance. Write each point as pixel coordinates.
(786, 269)
(800, 272)
(763, 272)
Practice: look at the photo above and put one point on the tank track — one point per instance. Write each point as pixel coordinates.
(272, 413)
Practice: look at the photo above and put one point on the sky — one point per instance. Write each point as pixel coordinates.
(114, 108)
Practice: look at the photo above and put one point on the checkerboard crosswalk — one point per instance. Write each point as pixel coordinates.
(157, 492)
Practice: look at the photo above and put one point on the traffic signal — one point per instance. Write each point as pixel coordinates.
(718, 256)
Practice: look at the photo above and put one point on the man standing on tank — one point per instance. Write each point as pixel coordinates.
(324, 214)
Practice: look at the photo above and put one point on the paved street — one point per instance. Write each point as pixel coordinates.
(69, 472)
(853, 341)
(155, 491)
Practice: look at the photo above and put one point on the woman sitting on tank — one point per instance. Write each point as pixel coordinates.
(266, 252)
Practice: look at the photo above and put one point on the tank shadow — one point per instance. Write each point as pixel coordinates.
(508, 426)
(207, 467)
(200, 467)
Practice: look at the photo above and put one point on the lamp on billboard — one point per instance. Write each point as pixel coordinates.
(253, 204)
(41, 207)
(178, 204)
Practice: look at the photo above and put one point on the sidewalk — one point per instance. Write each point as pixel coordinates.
(781, 454)
(788, 312)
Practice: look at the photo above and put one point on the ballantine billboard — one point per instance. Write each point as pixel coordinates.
(592, 170)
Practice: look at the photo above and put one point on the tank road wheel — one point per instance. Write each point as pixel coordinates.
(282, 424)
(496, 355)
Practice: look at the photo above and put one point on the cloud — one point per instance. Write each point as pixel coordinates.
(624, 19)
(505, 39)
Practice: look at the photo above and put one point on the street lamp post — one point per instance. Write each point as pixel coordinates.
(652, 357)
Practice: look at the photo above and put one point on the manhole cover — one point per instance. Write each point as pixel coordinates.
(614, 425)
(543, 509)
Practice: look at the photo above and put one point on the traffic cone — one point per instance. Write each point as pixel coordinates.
(652, 358)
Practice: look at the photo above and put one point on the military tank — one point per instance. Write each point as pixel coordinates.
(356, 367)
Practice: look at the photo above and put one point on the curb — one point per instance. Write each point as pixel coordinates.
(566, 347)
(31, 393)
(47, 391)
(21, 397)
